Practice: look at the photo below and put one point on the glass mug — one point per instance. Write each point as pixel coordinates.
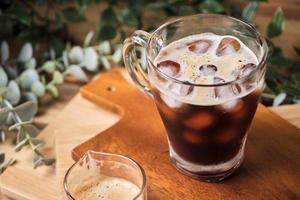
(214, 152)
(99, 175)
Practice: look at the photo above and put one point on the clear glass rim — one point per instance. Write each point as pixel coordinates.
(185, 18)
(142, 189)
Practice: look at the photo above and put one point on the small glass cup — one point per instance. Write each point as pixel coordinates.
(205, 142)
(99, 175)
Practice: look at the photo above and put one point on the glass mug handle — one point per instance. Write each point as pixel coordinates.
(138, 38)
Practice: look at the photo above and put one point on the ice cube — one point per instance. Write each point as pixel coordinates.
(171, 102)
(199, 120)
(236, 108)
(226, 136)
(181, 89)
(227, 91)
(208, 70)
(218, 80)
(169, 67)
(199, 46)
(247, 69)
(193, 137)
(228, 46)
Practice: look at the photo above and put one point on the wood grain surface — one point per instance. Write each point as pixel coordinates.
(271, 166)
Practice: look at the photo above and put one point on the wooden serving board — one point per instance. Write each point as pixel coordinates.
(271, 169)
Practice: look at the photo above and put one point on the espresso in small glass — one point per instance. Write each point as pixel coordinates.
(206, 126)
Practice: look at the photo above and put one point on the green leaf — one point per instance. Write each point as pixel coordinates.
(211, 6)
(20, 145)
(57, 78)
(13, 93)
(37, 143)
(48, 161)
(2, 158)
(77, 72)
(38, 89)
(117, 56)
(249, 12)
(3, 115)
(105, 63)
(108, 17)
(25, 53)
(90, 59)
(27, 78)
(21, 135)
(88, 38)
(31, 130)
(129, 18)
(107, 32)
(18, 125)
(276, 25)
(73, 14)
(3, 77)
(27, 110)
(104, 48)
(76, 55)
(29, 96)
(185, 10)
(30, 64)
(279, 99)
(4, 52)
(49, 66)
(52, 90)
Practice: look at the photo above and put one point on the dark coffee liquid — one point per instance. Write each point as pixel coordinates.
(208, 135)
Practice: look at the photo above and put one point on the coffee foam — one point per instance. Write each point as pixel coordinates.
(108, 188)
(190, 62)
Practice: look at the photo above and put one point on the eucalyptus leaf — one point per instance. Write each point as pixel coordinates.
(25, 53)
(105, 63)
(3, 77)
(117, 56)
(65, 58)
(18, 125)
(13, 93)
(38, 89)
(104, 47)
(2, 158)
(27, 78)
(2, 136)
(76, 55)
(107, 32)
(57, 78)
(129, 18)
(52, 90)
(31, 63)
(29, 96)
(4, 52)
(90, 59)
(249, 11)
(21, 135)
(49, 66)
(20, 145)
(279, 99)
(72, 14)
(37, 163)
(276, 25)
(27, 110)
(37, 143)
(211, 6)
(4, 112)
(48, 161)
(88, 38)
(77, 72)
(31, 130)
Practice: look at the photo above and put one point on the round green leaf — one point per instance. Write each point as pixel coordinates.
(276, 25)
(249, 12)
(27, 78)
(4, 52)
(117, 56)
(49, 66)
(13, 92)
(3, 77)
(279, 99)
(211, 6)
(31, 63)
(73, 15)
(57, 78)
(107, 32)
(29, 96)
(88, 38)
(27, 110)
(90, 60)
(76, 55)
(104, 47)
(105, 63)
(25, 53)
(52, 90)
(77, 72)
(38, 89)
